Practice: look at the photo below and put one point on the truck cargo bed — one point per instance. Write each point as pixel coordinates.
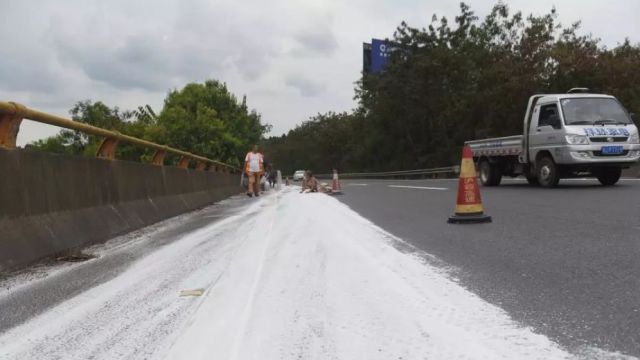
(503, 146)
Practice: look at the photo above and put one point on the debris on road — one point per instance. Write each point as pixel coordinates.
(77, 257)
(194, 292)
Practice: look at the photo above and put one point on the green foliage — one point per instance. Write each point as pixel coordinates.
(456, 81)
(330, 136)
(53, 144)
(204, 119)
(97, 114)
(207, 119)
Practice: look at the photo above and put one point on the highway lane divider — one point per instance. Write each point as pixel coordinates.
(418, 187)
(433, 173)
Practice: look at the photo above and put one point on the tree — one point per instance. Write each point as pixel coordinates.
(456, 81)
(100, 115)
(207, 119)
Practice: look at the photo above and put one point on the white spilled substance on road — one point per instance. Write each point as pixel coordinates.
(292, 276)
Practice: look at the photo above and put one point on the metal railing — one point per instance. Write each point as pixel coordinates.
(440, 172)
(12, 114)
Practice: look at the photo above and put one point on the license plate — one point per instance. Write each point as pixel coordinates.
(612, 150)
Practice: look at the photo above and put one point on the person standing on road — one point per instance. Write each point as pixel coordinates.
(253, 167)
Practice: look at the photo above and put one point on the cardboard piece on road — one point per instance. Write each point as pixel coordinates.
(193, 292)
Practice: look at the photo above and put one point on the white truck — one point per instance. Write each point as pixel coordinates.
(577, 134)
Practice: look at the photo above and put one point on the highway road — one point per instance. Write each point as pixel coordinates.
(565, 261)
(376, 273)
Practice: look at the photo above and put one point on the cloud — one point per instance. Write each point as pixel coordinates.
(305, 86)
(291, 58)
(134, 65)
(316, 41)
(16, 73)
(145, 61)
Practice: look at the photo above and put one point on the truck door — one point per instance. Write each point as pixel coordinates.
(545, 132)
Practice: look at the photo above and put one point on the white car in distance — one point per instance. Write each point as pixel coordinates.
(298, 175)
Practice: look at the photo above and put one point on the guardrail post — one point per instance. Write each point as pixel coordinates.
(213, 168)
(10, 126)
(107, 149)
(184, 162)
(201, 166)
(158, 157)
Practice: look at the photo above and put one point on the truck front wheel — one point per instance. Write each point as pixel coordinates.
(547, 172)
(490, 174)
(609, 176)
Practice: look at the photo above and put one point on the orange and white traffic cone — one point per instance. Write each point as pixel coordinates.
(335, 185)
(469, 205)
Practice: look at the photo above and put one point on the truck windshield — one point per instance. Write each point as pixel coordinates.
(593, 111)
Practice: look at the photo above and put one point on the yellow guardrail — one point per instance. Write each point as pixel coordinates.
(12, 114)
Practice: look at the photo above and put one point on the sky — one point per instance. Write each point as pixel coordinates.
(293, 59)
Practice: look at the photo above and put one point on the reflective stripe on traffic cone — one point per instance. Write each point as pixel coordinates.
(335, 186)
(469, 205)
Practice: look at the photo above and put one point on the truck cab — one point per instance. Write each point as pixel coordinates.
(577, 134)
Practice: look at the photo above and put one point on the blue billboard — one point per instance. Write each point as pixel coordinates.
(380, 54)
(376, 55)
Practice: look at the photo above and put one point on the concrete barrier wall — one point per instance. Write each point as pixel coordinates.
(50, 204)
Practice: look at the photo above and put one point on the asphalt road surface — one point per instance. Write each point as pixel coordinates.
(72, 279)
(321, 282)
(283, 276)
(564, 261)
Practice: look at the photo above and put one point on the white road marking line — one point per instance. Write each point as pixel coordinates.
(576, 179)
(358, 184)
(417, 187)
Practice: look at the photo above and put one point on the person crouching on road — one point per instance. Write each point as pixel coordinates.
(309, 184)
(253, 167)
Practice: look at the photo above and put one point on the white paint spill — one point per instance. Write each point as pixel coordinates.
(291, 276)
(417, 187)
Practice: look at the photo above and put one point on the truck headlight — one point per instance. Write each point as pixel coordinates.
(577, 139)
(634, 138)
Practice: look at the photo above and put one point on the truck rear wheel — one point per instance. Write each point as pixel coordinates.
(547, 172)
(490, 174)
(609, 176)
